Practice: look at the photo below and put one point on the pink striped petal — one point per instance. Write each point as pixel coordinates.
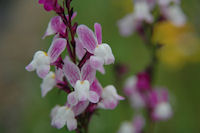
(55, 25)
(71, 99)
(97, 63)
(87, 37)
(98, 32)
(80, 107)
(80, 51)
(56, 48)
(41, 1)
(88, 73)
(93, 97)
(71, 71)
(96, 87)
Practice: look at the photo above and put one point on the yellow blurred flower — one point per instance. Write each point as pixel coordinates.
(180, 45)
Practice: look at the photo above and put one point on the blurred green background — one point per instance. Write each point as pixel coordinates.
(22, 109)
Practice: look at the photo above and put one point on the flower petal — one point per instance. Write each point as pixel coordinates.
(88, 73)
(93, 97)
(97, 63)
(60, 118)
(72, 98)
(55, 25)
(56, 48)
(48, 83)
(82, 89)
(31, 67)
(80, 107)
(71, 71)
(43, 70)
(98, 32)
(71, 123)
(80, 51)
(96, 87)
(87, 37)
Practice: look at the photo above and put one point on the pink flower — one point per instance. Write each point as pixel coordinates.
(136, 98)
(57, 26)
(80, 81)
(143, 82)
(49, 4)
(131, 22)
(110, 98)
(159, 102)
(42, 60)
(102, 53)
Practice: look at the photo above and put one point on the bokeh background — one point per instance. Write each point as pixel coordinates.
(22, 110)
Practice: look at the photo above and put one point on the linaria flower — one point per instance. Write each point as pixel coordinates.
(81, 81)
(63, 115)
(110, 98)
(41, 61)
(57, 26)
(102, 53)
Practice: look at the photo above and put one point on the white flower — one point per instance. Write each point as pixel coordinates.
(62, 115)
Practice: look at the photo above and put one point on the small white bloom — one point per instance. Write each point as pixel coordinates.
(48, 83)
(104, 51)
(62, 115)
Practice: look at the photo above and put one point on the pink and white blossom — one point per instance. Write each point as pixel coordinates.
(57, 26)
(63, 115)
(159, 102)
(110, 98)
(41, 61)
(80, 80)
(102, 53)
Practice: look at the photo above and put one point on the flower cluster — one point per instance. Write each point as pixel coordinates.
(142, 96)
(75, 72)
(143, 14)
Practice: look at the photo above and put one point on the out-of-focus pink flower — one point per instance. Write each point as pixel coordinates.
(109, 97)
(133, 127)
(143, 82)
(49, 4)
(132, 92)
(80, 81)
(102, 53)
(131, 22)
(159, 102)
(42, 60)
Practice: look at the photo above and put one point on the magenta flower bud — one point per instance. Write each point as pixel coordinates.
(49, 5)
(143, 82)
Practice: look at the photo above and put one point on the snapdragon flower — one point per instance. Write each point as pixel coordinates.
(63, 115)
(110, 98)
(102, 53)
(81, 81)
(41, 61)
